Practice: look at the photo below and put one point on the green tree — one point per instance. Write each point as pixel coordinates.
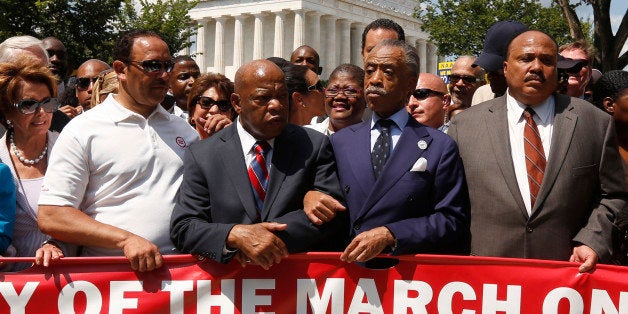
(84, 26)
(169, 19)
(609, 46)
(458, 27)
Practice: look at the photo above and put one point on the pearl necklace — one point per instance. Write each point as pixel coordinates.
(21, 157)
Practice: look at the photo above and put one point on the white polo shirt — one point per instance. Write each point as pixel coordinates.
(120, 169)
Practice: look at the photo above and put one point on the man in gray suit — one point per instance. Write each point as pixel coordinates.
(544, 172)
(243, 188)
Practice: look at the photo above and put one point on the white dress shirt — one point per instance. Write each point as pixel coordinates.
(247, 140)
(400, 118)
(544, 119)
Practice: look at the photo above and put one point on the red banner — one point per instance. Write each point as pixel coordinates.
(317, 283)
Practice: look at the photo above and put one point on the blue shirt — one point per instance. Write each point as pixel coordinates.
(7, 207)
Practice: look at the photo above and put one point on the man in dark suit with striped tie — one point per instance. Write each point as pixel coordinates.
(544, 172)
(243, 188)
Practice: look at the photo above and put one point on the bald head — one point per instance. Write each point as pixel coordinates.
(429, 101)
(530, 67)
(307, 56)
(86, 75)
(261, 99)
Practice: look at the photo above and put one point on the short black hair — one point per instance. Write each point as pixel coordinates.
(612, 84)
(384, 24)
(280, 62)
(295, 79)
(350, 69)
(124, 44)
(180, 58)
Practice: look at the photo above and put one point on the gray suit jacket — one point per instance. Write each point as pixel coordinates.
(216, 193)
(581, 193)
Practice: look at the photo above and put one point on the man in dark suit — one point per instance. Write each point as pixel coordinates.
(243, 188)
(416, 200)
(544, 172)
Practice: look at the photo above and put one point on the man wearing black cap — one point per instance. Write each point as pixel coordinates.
(492, 59)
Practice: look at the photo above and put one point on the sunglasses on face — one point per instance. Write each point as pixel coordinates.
(208, 102)
(468, 79)
(30, 106)
(423, 93)
(84, 82)
(350, 92)
(318, 86)
(154, 66)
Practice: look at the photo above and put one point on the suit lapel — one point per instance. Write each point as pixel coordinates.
(361, 146)
(233, 161)
(281, 156)
(564, 126)
(404, 155)
(497, 126)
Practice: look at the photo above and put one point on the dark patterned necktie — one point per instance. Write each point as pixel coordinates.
(258, 173)
(381, 150)
(535, 155)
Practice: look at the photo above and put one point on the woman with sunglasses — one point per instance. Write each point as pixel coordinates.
(209, 106)
(27, 101)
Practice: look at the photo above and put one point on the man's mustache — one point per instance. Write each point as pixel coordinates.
(535, 77)
(375, 90)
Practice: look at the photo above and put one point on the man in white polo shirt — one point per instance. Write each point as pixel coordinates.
(115, 170)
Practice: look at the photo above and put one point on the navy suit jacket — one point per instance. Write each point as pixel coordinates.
(216, 193)
(426, 211)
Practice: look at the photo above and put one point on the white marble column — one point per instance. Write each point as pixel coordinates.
(258, 36)
(356, 44)
(200, 45)
(219, 45)
(299, 30)
(432, 59)
(422, 48)
(238, 42)
(278, 44)
(345, 41)
(330, 44)
(315, 26)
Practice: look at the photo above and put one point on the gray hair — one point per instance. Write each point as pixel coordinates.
(410, 54)
(10, 45)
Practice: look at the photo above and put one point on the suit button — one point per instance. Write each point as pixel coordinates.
(410, 199)
(347, 189)
(529, 229)
(357, 226)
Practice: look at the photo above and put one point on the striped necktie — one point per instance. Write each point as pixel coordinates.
(258, 173)
(535, 155)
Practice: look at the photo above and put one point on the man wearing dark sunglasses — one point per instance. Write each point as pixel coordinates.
(86, 75)
(464, 80)
(578, 76)
(112, 187)
(429, 101)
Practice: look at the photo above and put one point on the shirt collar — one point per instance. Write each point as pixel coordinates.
(400, 118)
(121, 113)
(247, 140)
(516, 108)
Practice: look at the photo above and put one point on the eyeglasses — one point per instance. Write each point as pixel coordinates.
(350, 92)
(84, 82)
(423, 93)
(208, 102)
(318, 86)
(468, 79)
(30, 106)
(154, 66)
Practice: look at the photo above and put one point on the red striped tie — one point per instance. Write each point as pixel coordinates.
(258, 173)
(535, 155)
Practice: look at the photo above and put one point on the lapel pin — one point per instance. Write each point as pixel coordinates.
(422, 144)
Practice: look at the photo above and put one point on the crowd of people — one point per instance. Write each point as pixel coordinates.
(150, 156)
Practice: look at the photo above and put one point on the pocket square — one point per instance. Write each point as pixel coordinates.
(419, 165)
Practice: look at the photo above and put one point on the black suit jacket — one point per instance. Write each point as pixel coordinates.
(216, 194)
